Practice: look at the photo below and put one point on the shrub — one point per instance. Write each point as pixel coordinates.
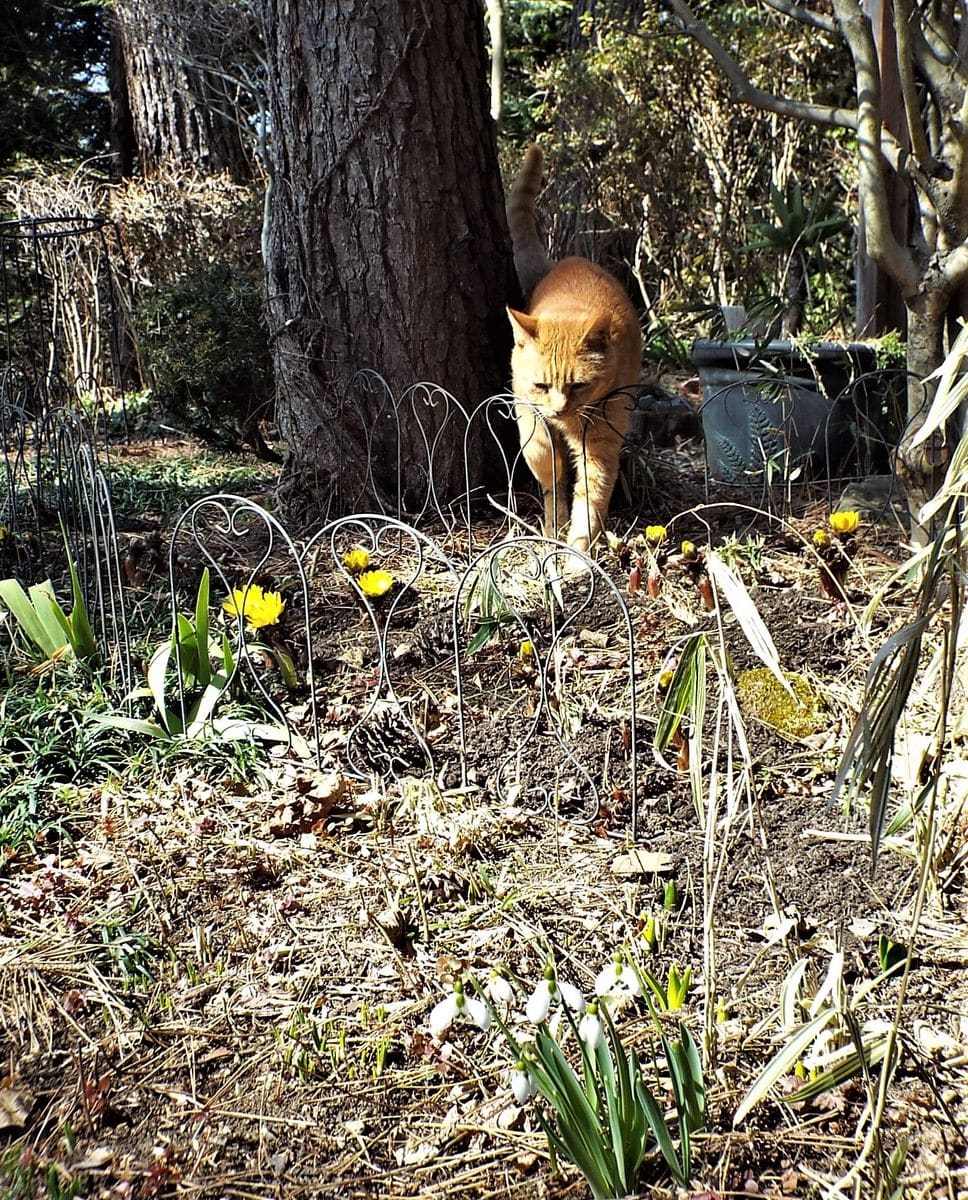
(205, 351)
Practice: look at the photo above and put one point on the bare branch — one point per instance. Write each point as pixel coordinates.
(912, 109)
(804, 15)
(882, 245)
(744, 91)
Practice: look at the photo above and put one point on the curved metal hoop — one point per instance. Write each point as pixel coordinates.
(534, 591)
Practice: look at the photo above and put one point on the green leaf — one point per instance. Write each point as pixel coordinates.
(134, 724)
(44, 641)
(849, 1066)
(684, 687)
(204, 668)
(783, 1062)
(57, 630)
(486, 629)
(157, 675)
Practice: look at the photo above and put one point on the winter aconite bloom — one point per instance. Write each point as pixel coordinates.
(446, 1011)
(259, 609)
(844, 522)
(551, 994)
(821, 539)
(375, 583)
(654, 534)
(356, 560)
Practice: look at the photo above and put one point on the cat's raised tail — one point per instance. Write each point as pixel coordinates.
(531, 261)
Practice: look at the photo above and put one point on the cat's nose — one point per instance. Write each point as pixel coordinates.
(559, 401)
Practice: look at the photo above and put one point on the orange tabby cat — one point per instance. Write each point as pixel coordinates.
(578, 343)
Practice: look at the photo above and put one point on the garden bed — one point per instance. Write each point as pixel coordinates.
(218, 967)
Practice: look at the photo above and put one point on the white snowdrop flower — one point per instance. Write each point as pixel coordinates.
(446, 1011)
(618, 978)
(443, 1015)
(590, 1028)
(499, 989)
(477, 1011)
(570, 997)
(550, 993)
(523, 1083)
(539, 1002)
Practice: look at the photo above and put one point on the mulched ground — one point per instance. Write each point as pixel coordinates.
(221, 988)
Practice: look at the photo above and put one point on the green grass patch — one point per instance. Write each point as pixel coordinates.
(167, 484)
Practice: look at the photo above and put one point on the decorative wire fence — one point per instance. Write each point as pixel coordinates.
(64, 303)
(421, 639)
(62, 391)
(438, 635)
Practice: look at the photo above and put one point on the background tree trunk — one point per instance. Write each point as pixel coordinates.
(387, 247)
(177, 105)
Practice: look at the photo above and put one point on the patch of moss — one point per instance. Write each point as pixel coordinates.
(762, 696)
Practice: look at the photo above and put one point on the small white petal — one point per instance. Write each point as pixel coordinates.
(590, 1030)
(523, 1085)
(499, 990)
(631, 980)
(443, 1014)
(478, 1012)
(606, 980)
(571, 997)
(539, 1003)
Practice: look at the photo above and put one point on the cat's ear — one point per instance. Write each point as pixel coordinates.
(598, 338)
(525, 327)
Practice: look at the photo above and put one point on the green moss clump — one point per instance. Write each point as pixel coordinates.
(762, 696)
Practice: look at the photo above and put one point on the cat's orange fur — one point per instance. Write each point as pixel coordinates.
(575, 347)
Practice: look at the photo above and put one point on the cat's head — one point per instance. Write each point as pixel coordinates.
(560, 364)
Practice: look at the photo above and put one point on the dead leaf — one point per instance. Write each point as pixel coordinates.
(98, 1158)
(642, 862)
(15, 1106)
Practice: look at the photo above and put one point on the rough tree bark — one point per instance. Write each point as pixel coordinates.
(387, 246)
(171, 51)
(930, 267)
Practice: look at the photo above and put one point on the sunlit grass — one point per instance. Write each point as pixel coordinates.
(167, 484)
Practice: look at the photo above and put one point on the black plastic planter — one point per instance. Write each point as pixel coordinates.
(774, 406)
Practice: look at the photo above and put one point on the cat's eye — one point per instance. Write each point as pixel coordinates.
(542, 387)
(577, 387)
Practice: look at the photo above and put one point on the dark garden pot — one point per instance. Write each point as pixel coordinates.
(772, 407)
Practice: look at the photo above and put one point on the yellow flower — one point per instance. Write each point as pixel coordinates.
(665, 679)
(689, 551)
(821, 539)
(655, 534)
(356, 560)
(844, 522)
(258, 608)
(375, 583)
(526, 650)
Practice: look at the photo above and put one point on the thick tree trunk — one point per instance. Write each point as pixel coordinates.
(387, 244)
(179, 118)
